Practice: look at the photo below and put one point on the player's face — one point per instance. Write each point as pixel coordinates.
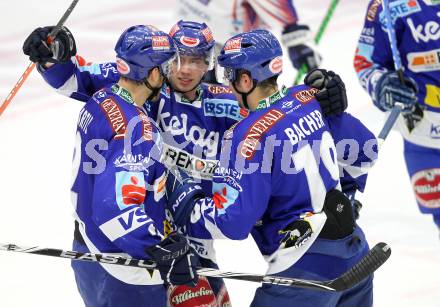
(190, 73)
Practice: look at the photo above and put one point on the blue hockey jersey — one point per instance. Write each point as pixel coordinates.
(193, 129)
(417, 27)
(276, 166)
(118, 188)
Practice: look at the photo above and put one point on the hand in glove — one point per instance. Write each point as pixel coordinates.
(39, 50)
(176, 260)
(332, 96)
(302, 50)
(182, 193)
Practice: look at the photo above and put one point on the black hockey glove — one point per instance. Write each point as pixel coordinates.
(39, 51)
(182, 193)
(176, 260)
(299, 43)
(340, 218)
(332, 96)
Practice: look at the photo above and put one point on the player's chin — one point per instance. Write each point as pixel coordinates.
(185, 86)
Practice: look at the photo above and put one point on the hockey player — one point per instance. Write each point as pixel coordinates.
(118, 188)
(228, 18)
(417, 27)
(278, 179)
(192, 115)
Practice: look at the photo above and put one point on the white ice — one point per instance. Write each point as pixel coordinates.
(36, 145)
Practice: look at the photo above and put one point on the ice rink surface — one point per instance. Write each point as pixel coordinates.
(36, 145)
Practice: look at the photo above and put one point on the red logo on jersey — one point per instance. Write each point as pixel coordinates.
(189, 41)
(115, 116)
(244, 112)
(184, 296)
(233, 45)
(305, 96)
(257, 130)
(426, 185)
(361, 62)
(132, 194)
(147, 128)
(215, 89)
(122, 66)
(276, 65)
(219, 198)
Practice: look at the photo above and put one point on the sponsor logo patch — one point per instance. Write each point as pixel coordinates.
(147, 128)
(192, 165)
(233, 45)
(160, 42)
(435, 131)
(305, 96)
(372, 10)
(130, 189)
(189, 41)
(222, 108)
(426, 185)
(424, 61)
(424, 32)
(122, 66)
(215, 89)
(276, 65)
(223, 197)
(431, 2)
(207, 34)
(400, 8)
(174, 29)
(115, 117)
(432, 97)
(257, 130)
(185, 296)
(361, 62)
(134, 163)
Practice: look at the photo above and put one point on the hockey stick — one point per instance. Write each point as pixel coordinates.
(398, 107)
(317, 39)
(31, 66)
(364, 268)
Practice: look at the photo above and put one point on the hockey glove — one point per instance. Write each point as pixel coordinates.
(390, 90)
(39, 51)
(340, 218)
(182, 193)
(332, 96)
(298, 40)
(176, 261)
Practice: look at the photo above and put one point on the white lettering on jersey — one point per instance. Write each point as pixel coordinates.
(125, 223)
(178, 125)
(430, 31)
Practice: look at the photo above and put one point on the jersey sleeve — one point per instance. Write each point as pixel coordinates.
(280, 13)
(78, 79)
(373, 53)
(356, 148)
(128, 204)
(235, 205)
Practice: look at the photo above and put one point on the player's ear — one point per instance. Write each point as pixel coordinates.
(155, 76)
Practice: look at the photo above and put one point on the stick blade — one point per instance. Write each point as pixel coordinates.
(377, 256)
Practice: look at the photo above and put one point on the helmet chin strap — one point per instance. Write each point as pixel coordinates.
(244, 95)
(154, 90)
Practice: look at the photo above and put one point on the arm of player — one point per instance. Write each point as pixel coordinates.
(373, 55)
(78, 79)
(356, 148)
(240, 197)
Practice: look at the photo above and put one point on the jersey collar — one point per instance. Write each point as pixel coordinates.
(268, 101)
(122, 92)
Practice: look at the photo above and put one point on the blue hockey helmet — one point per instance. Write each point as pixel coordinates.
(194, 39)
(256, 51)
(141, 48)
